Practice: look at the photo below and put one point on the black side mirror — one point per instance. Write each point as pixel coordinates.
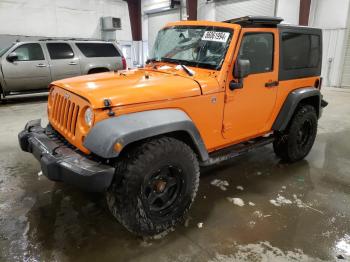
(241, 70)
(12, 57)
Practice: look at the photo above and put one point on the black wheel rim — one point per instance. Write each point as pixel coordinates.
(163, 189)
(304, 133)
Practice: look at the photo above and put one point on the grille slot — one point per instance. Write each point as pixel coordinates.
(65, 114)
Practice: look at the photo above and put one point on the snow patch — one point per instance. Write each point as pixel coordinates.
(237, 201)
(258, 214)
(251, 224)
(344, 245)
(280, 201)
(298, 201)
(187, 222)
(240, 188)
(200, 225)
(262, 251)
(222, 184)
(251, 204)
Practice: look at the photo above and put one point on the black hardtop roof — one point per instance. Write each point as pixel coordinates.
(256, 20)
(268, 21)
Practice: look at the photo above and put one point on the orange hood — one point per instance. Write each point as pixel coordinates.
(131, 87)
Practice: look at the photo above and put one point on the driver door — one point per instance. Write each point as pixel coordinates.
(248, 110)
(29, 71)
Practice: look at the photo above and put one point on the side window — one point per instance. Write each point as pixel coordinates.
(98, 50)
(60, 50)
(258, 49)
(300, 51)
(29, 52)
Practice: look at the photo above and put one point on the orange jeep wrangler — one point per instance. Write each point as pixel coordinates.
(210, 92)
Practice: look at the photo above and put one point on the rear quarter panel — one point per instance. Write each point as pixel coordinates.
(88, 63)
(287, 86)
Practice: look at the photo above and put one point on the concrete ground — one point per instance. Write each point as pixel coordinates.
(266, 211)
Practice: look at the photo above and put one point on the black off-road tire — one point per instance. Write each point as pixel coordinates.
(139, 180)
(296, 142)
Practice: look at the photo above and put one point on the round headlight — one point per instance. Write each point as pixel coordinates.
(89, 116)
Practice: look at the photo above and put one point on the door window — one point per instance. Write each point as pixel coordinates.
(300, 51)
(60, 51)
(258, 49)
(98, 50)
(29, 52)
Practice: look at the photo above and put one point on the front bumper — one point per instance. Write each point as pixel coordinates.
(59, 162)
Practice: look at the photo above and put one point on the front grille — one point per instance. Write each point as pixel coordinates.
(58, 138)
(65, 114)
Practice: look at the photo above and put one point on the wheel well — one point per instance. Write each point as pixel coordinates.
(179, 135)
(98, 70)
(313, 101)
(186, 138)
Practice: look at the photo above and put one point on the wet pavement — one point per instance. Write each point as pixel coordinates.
(258, 209)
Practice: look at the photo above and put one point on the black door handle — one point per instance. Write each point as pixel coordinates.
(271, 84)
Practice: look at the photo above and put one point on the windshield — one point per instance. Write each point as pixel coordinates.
(198, 46)
(3, 51)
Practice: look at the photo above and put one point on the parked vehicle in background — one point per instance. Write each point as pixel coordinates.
(31, 66)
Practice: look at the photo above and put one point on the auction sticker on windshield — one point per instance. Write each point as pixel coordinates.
(215, 36)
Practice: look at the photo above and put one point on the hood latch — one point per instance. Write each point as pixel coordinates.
(108, 105)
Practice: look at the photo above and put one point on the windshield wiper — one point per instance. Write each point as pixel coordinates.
(180, 63)
(187, 70)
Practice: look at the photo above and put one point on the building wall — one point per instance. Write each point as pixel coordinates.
(334, 25)
(289, 11)
(156, 5)
(206, 10)
(62, 18)
(227, 9)
(149, 5)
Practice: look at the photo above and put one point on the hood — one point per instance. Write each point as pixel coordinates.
(130, 87)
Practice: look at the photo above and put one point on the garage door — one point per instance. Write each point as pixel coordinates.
(346, 70)
(229, 9)
(158, 21)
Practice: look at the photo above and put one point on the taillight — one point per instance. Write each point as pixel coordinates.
(318, 83)
(124, 62)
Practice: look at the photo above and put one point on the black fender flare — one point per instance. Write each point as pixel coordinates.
(291, 103)
(133, 127)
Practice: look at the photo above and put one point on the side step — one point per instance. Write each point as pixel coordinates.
(236, 150)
